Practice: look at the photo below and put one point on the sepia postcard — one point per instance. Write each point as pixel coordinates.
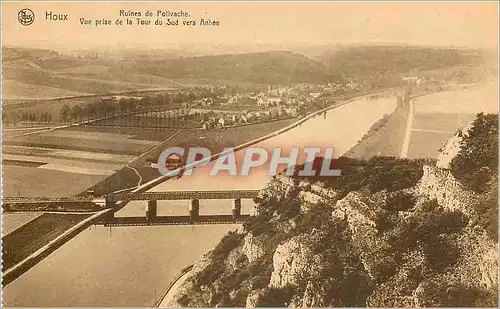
(249, 154)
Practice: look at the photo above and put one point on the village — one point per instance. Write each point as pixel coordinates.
(265, 105)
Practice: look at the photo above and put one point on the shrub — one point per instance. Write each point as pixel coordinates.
(399, 201)
(487, 210)
(477, 160)
(440, 292)
(277, 297)
(376, 174)
(440, 252)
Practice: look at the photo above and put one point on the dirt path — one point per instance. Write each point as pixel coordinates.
(144, 154)
(409, 124)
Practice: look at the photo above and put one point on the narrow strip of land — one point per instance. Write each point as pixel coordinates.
(409, 124)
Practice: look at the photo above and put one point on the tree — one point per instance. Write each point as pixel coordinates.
(478, 155)
(64, 113)
(76, 113)
(191, 96)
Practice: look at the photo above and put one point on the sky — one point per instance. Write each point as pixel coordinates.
(459, 24)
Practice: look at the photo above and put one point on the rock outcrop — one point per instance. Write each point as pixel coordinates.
(437, 183)
(451, 148)
(252, 248)
(290, 261)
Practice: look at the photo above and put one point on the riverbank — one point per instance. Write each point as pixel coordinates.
(168, 300)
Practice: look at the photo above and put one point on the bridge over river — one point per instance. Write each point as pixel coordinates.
(101, 211)
(116, 201)
(194, 196)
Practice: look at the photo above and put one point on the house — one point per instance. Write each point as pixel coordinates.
(266, 116)
(291, 111)
(173, 161)
(205, 125)
(207, 101)
(243, 119)
(412, 80)
(108, 99)
(273, 101)
(208, 124)
(315, 95)
(234, 100)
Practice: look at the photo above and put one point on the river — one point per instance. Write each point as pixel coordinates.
(132, 266)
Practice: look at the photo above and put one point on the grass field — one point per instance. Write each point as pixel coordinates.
(91, 141)
(30, 181)
(16, 90)
(73, 159)
(426, 144)
(148, 120)
(148, 134)
(438, 116)
(441, 122)
(32, 236)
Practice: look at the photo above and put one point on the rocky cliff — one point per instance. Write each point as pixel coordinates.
(369, 240)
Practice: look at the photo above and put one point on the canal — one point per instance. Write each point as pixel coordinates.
(132, 266)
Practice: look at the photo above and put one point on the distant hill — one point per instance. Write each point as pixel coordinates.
(365, 61)
(33, 54)
(275, 67)
(122, 71)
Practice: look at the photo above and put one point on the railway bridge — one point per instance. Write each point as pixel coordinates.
(194, 196)
(116, 201)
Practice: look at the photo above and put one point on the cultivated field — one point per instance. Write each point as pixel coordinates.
(438, 116)
(84, 141)
(31, 181)
(16, 90)
(67, 161)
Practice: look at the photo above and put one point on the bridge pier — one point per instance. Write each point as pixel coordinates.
(152, 210)
(194, 209)
(109, 217)
(109, 203)
(236, 208)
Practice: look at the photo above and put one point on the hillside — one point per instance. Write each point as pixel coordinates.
(371, 61)
(98, 73)
(388, 233)
(263, 68)
(32, 54)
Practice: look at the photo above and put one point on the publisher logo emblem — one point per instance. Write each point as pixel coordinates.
(26, 17)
